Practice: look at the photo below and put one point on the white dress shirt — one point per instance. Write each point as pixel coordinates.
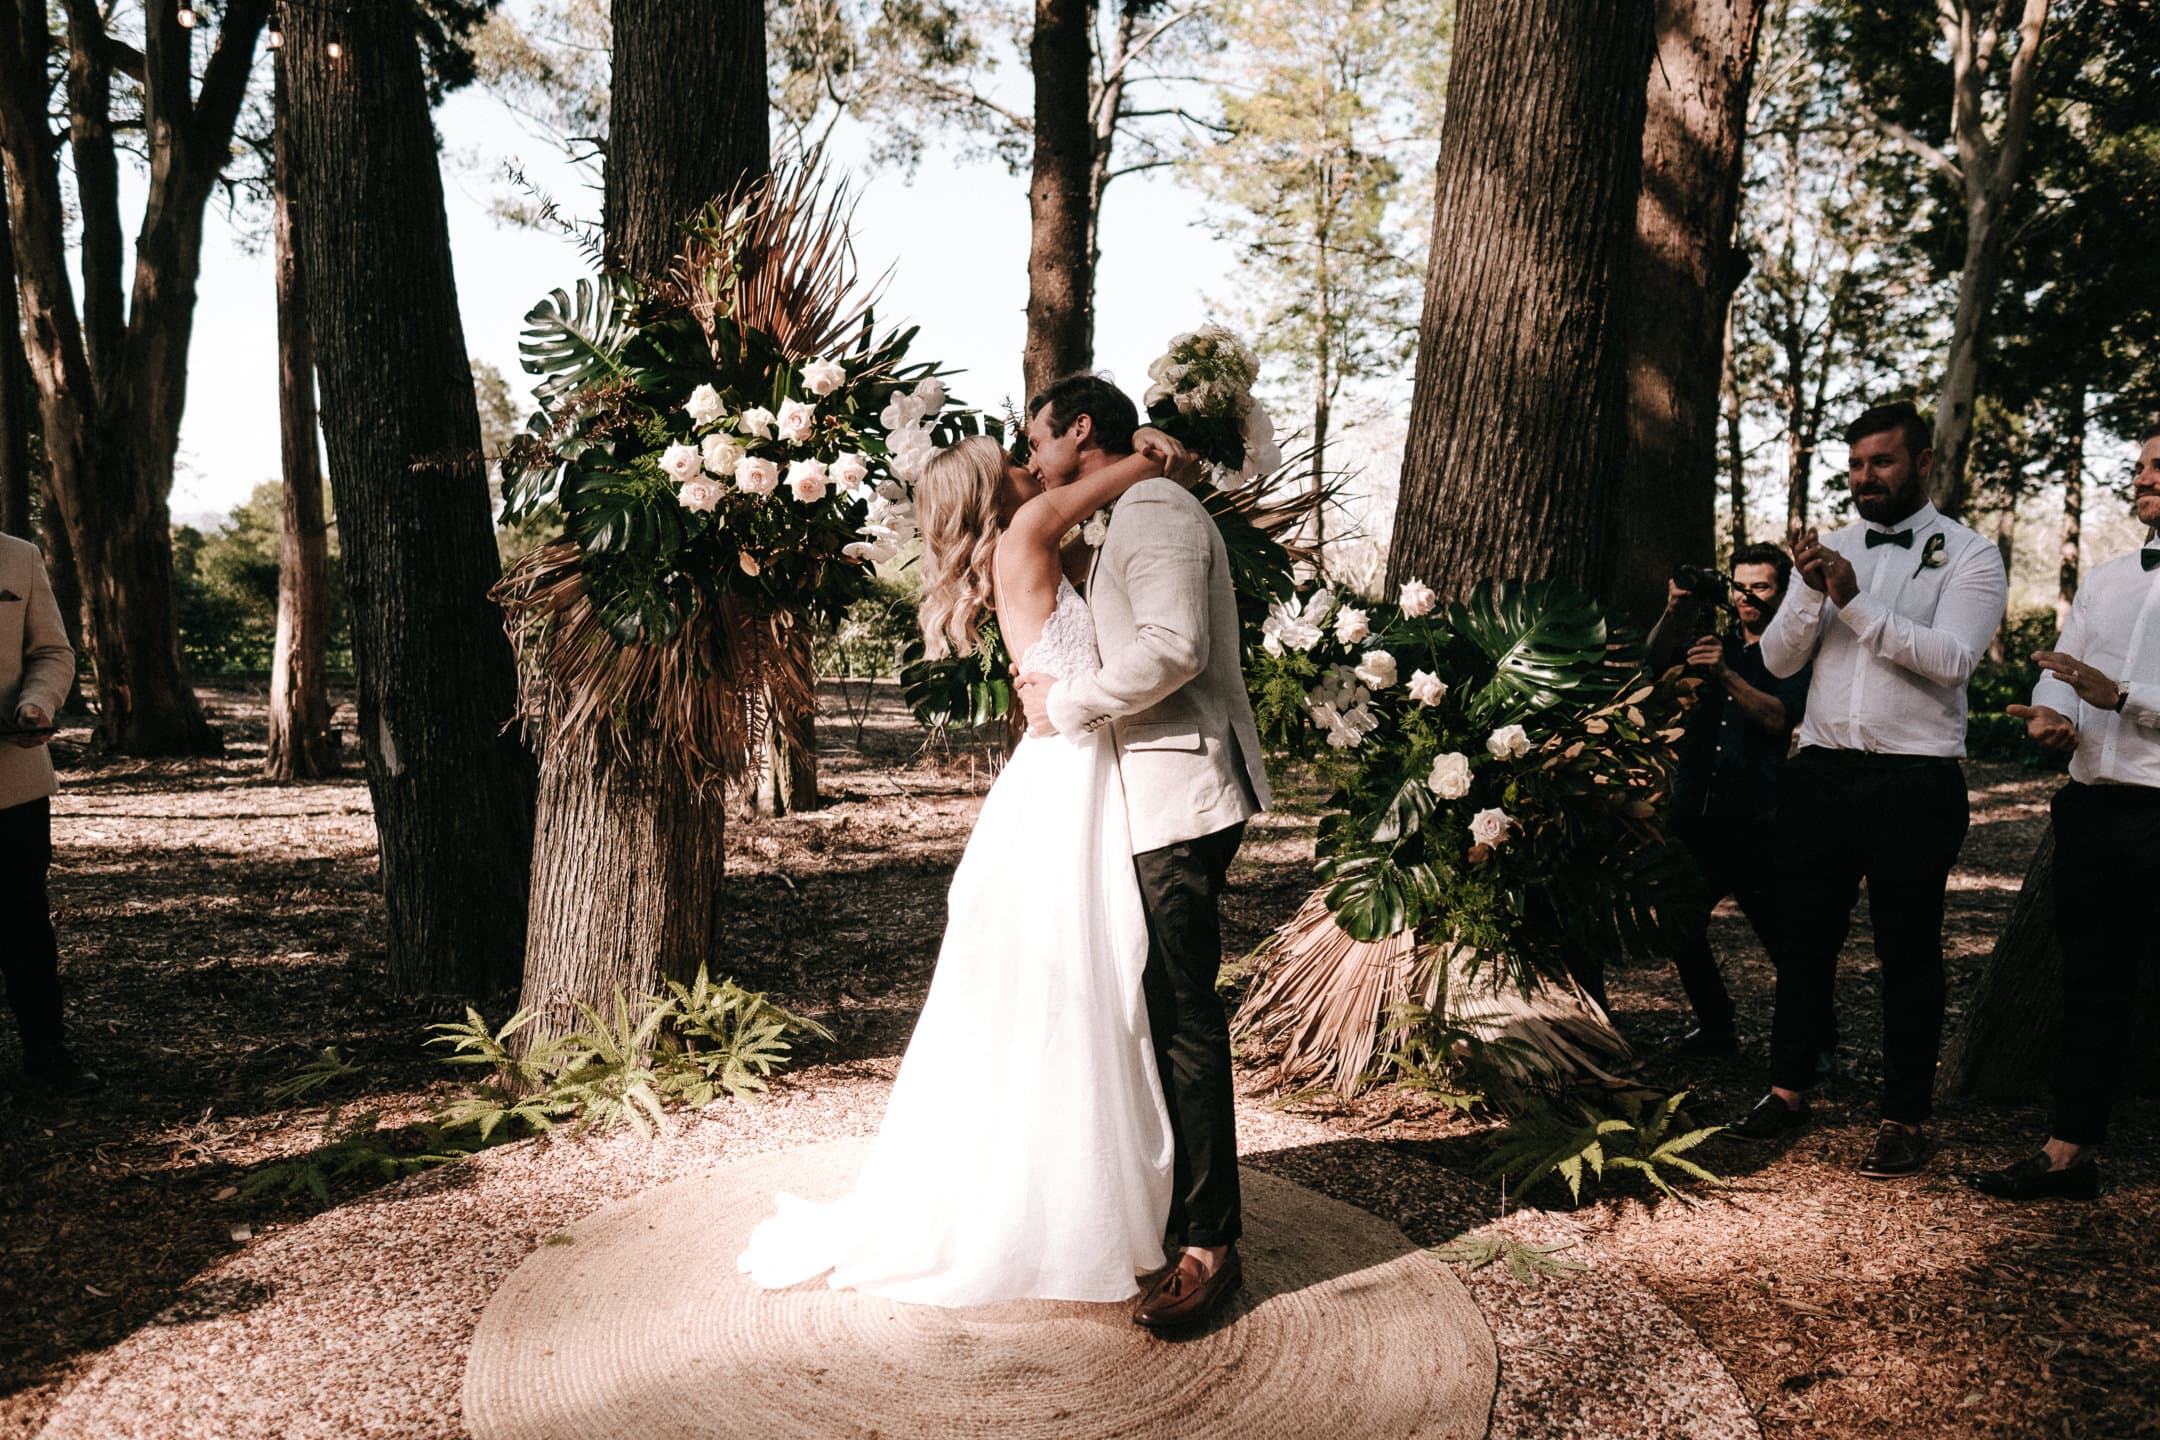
(2114, 627)
(1891, 667)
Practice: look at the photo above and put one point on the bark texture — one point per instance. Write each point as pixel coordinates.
(686, 119)
(111, 376)
(1518, 423)
(1061, 269)
(628, 864)
(2005, 1049)
(452, 792)
(301, 745)
(2073, 516)
(18, 477)
(1680, 286)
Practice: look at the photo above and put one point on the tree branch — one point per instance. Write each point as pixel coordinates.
(960, 96)
(1911, 142)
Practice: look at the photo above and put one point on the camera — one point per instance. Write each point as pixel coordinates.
(1704, 585)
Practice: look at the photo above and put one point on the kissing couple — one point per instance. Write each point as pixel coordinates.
(1062, 1127)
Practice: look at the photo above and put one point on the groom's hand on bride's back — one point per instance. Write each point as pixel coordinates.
(1033, 689)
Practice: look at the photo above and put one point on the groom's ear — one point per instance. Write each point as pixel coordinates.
(1082, 430)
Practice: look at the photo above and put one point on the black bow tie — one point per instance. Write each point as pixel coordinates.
(2150, 558)
(1900, 538)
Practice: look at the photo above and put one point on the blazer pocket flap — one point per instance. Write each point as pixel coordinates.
(1162, 737)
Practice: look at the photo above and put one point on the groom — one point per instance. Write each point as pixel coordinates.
(1172, 692)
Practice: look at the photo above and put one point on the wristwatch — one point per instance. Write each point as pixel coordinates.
(2122, 696)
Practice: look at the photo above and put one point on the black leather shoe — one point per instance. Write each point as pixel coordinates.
(1706, 1043)
(1771, 1119)
(60, 1073)
(2033, 1178)
(1896, 1151)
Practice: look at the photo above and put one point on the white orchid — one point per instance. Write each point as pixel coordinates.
(932, 394)
(1352, 625)
(1417, 599)
(824, 376)
(1294, 627)
(796, 421)
(1377, 669)
(1339, 689)
(705, 406)
(1509, 742)
(807, 480)
(1345, 728)
(757, 421)
(1427, 688)
(699, 494)
(758, 477)
(1450, 778)
(1491, 827)
(721, 455)
(681, 462)
(901, 411)
(1262, 455)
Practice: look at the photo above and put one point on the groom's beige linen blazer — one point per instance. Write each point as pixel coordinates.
(1172, 683)
(36, 666)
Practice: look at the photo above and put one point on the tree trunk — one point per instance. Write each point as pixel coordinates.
(1061, 278)
(301, 745)
(453, 793)
(1681, 283)
(686, 119)
(2073, 519)
(1323, 397)
(1518, 422)
(599, 929)
(1736, 454)
(783, 767)
(18, 475)
(2005, 1048)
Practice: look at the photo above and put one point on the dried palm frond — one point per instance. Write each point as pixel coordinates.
(1321, 1000)
(689, 694)
(1281, 504)
(774, 256)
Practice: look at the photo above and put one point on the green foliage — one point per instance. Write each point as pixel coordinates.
(874, 637)
(1989, 733)
(959, 691)
(1575, 1140)
(357, 1149)
(327, 1068)
(1525, 1264)
(1450, 1063)
(225, 589)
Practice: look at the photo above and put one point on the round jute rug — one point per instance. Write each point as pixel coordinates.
(635, 1322)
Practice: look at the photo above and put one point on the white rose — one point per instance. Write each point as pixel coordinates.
(1352, 625)
(1508, 743)
(1095, 531)
(1377, 669)
(1427, 688)
(901, 411)
(1450, 778)
(1417, 599)
(1262, 455)
(681, 462)
(720, 454)
(824, 376)
(703, 406)
(700, 494)
(796, 421)
(932, 394)
(758, 422)
(849, 471)
(806, 479)
(759, 477)
(1491, 827)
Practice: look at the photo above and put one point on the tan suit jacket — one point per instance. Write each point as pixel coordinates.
(1172, 683)
(36, 666)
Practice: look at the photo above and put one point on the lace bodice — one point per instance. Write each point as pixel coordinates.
(1067, 644)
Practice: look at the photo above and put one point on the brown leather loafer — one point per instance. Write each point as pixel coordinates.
(1186, 1295)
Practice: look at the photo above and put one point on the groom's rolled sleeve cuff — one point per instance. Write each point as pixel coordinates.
(1069, 713)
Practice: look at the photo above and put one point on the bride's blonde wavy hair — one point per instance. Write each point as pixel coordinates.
(956, 508)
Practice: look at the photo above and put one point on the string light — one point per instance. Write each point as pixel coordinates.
(186, 17)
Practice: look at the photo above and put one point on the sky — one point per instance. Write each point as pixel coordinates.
(955, 238)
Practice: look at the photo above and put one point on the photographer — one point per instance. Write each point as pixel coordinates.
(1725, 791)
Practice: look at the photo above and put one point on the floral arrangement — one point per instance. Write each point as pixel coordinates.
(1477, 752)
(1202, 395)
(730, 450)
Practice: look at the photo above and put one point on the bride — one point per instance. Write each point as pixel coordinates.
(1026, 1151)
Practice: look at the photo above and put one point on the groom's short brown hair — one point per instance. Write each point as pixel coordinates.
(1110, 408)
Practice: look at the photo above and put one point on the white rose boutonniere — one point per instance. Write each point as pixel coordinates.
(1509, 742)
(1931, 554)
(1096, 530)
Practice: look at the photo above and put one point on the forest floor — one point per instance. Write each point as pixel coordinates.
(218, 932)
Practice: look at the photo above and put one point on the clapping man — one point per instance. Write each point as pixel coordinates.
(2100, 699)
(1725, 789)
(36, 669)
(1895, 613)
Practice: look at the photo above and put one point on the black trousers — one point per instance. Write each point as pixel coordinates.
(29, 957)
(1181, 889)
(1735, 855)
(2107, 868)
(1896, 822)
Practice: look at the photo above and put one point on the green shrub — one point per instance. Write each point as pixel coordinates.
(1575, 1140)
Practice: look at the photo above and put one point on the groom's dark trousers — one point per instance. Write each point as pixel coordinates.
(1181, 889)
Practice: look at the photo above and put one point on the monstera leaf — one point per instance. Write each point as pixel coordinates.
(576, 343)
(1544, 640)
(959, 690)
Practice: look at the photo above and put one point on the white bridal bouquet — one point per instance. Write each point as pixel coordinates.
(1201, 393)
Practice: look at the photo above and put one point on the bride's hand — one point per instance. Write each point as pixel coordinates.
(1177, 462)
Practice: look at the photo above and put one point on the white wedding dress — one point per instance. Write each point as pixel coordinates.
(1025, 1151)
